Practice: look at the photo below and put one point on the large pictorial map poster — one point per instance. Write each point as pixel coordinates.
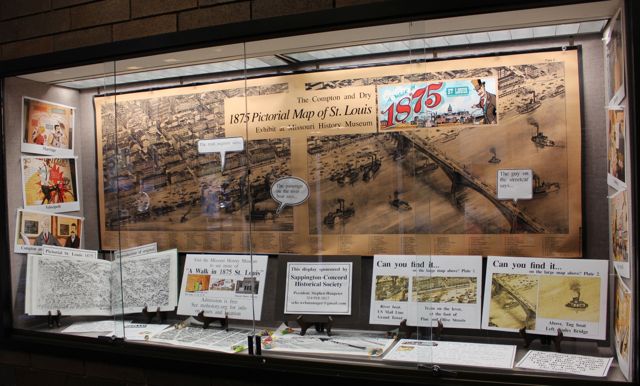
(399, 159)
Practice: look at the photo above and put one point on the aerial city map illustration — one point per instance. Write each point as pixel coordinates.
(420, 168)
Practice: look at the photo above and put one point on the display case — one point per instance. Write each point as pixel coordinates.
(428, 198)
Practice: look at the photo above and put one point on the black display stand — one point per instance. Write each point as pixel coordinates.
(206, 321)
(257, 349)
(544, 339)
(320, 323)
(53, 320)
(404, 331)
(438, 330)
(162, 315)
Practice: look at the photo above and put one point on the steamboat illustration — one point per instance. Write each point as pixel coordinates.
(575, 302)
(541, 187)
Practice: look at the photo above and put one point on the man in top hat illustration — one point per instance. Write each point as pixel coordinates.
(72, 241)
(487, 101)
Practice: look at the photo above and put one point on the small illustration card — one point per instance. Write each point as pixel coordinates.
(37, 229)
(47, 127)
(49, 184)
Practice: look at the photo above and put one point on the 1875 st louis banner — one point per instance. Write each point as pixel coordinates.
(398, 159)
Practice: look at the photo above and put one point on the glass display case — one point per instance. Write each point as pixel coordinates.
(449, 197)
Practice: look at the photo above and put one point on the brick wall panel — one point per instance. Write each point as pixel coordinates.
(16, 358)
(142, 8)
(24, 48)
(7, 375)
(89, 380)
(57, 364)
(221, 14)
(118, 372)
(82, 38)
(30, 377)
(261, 9)
(348, 3)
(206, 3)
(68, 3)
(16, 8)
(98, 13)
(165, 378)
(35, 25)
(145, 27)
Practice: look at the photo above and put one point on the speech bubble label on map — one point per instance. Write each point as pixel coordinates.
(289, 191)
(515, 184)
(222, 146)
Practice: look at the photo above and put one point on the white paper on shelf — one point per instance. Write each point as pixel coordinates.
(96, 326)
(453, 353)
(215, 339)
(137, 331)
(566, 363)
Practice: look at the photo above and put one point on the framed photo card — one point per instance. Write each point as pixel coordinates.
(47, 128)
(49, 184)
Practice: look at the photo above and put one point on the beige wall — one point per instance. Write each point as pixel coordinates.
(33, 27)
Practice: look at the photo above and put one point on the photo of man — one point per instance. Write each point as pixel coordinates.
(73, 241)
(46, 237)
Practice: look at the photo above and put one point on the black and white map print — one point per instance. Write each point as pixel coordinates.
(147, 281)
(74, 286)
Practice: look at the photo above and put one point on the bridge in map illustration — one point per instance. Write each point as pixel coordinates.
(460, 178)
(499, 285)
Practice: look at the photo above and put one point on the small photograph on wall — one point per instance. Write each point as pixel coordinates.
(49, 184)
(35, 229)
(619, 232)
(47, 128)
(623, 326)
(616, 162)
(614, 60)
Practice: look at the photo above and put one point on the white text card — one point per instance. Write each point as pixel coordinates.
(515, 184)
(565, 363)
(223, 285)
(318, 288)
